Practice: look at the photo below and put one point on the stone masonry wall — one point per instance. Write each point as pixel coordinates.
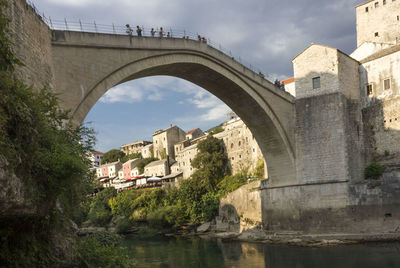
(381, 19)
(241, 209)
(32, 44)
(321, 138)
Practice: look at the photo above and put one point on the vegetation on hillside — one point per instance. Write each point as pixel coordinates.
(195, 201)
(112, 155)
(131, 156)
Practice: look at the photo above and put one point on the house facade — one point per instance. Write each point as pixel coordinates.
(164, 141)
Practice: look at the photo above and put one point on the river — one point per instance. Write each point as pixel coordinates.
(195, 252)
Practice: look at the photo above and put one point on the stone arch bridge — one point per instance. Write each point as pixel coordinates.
(86, 65)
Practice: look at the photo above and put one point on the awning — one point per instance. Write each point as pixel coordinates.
(153, 179)
(172, 175)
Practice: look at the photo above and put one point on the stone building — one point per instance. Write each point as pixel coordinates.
(157, 168)
(194, 133)
(357, 98)
(135, 172)
(95, 158)
(164, 141)
(128, 166)
(290, 86)
(134, 147)
(378, 21)
(241, 147)
(109, 170)
(184, 159)
(147, 151)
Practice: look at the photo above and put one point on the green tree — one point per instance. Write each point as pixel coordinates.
(131, 156)
(100, 208)
(215, 130)
(211, 163)
(112, 156)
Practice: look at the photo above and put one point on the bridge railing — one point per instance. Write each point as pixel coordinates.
(168, 32)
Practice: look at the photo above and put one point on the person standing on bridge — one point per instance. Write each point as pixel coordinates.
(152, 32)
(161, 32)
(138, 31)
(129, 30)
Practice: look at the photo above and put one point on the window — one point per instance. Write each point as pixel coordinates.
(386, 84)
(398, 18)
(384, 2)
(376, 4)
(376, 34)
(240, 143)
(231, 145)
(366, 9)
(369, 89)
(316, 82)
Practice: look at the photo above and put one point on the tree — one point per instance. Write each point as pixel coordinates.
(131, 156)
(211, 162)
(216, 130)
(112, 156)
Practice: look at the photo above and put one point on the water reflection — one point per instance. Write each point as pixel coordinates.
(172, 252)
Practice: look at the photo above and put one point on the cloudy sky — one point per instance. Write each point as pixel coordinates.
(266, 33)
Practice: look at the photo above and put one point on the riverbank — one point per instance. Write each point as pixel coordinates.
(259, 236)
(293, 238)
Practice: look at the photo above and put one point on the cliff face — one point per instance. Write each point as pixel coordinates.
(13, 201)
(31, 39)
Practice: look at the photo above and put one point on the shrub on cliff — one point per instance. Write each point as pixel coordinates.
(373, 171)
(100, 210)
(47, 154)
(103, 249)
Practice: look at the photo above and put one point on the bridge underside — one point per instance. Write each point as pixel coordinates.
(87, 65)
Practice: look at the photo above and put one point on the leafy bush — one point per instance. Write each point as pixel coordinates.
(123, 225)
(131, 156)
(231, 183)
(209, 206)
(215, 130)
(103, 249)
(259, 169)
(112, 155)
(100, 210)
(121, 204)
(373, 171)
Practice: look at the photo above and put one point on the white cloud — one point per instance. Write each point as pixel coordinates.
(218, 112)
(76, 3)
(122, 93)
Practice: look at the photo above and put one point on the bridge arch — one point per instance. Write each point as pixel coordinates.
(245, 96)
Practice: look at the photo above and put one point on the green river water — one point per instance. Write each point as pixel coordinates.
(182, 252)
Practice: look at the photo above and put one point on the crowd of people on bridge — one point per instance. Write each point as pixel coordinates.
(279, 84)
(160, 33)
